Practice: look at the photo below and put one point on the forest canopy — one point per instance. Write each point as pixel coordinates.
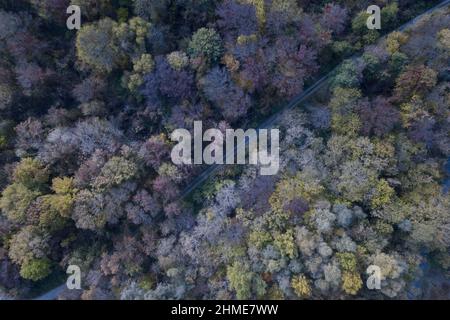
(86, 176)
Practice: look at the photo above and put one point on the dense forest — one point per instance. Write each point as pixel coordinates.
(86, 176)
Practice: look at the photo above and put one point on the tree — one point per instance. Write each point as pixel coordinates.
(348, 75)
(31, 77)
(389, 15)
(355, 181)
(130, 36)
(96, 46)
(293, 65)
(428, 211)
(89, 89)
(15, 201)
(394, 40)
(397, 63)
(415, 80)
(240, 279)
(29, 249)
(166, 81)
(323, 220)
(278, 16)
(303, 184)
(236, 19)
(383, 194)
(444, 39)
(334, 18)
(35, 269)
(284, 242)
(116, 171)
(351, 282)
(359, 27)
(143, 209)
(206, 43)
(378, 117)
(89, 211)
(154, 151)
(30, 173)
(141, 67)
(227, 96)
(301, 286)
(64, 197)
(178, 60)
(126, 259)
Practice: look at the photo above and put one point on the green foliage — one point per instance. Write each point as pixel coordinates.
(116, 171)
(355, 181)
(105, 44)
(35, 269)
(28, 248)
(134, 32)
(389, 16)
(122, 14)
(301, 286)
(383, 194)
(397, 63)
(260, 8)
(359, 23)
(388, 20)
(349, 124)
(347, 261)
(169, 170)
(178, 60)
(141, 67)
(360, 181)
(351, 282)
(284, 242)
(302, 185)
(15, 200)
(206, 43)
(359, 27)
(394, 40)
(429, 211)
(144, 64)
(56, 208)
(344, 100)
(444, 39)
(96, 47)
(342, 48)
(3, 142)
(240, 278)
(259, 238)
(30, 173)
(347, 75)
(383, 228)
